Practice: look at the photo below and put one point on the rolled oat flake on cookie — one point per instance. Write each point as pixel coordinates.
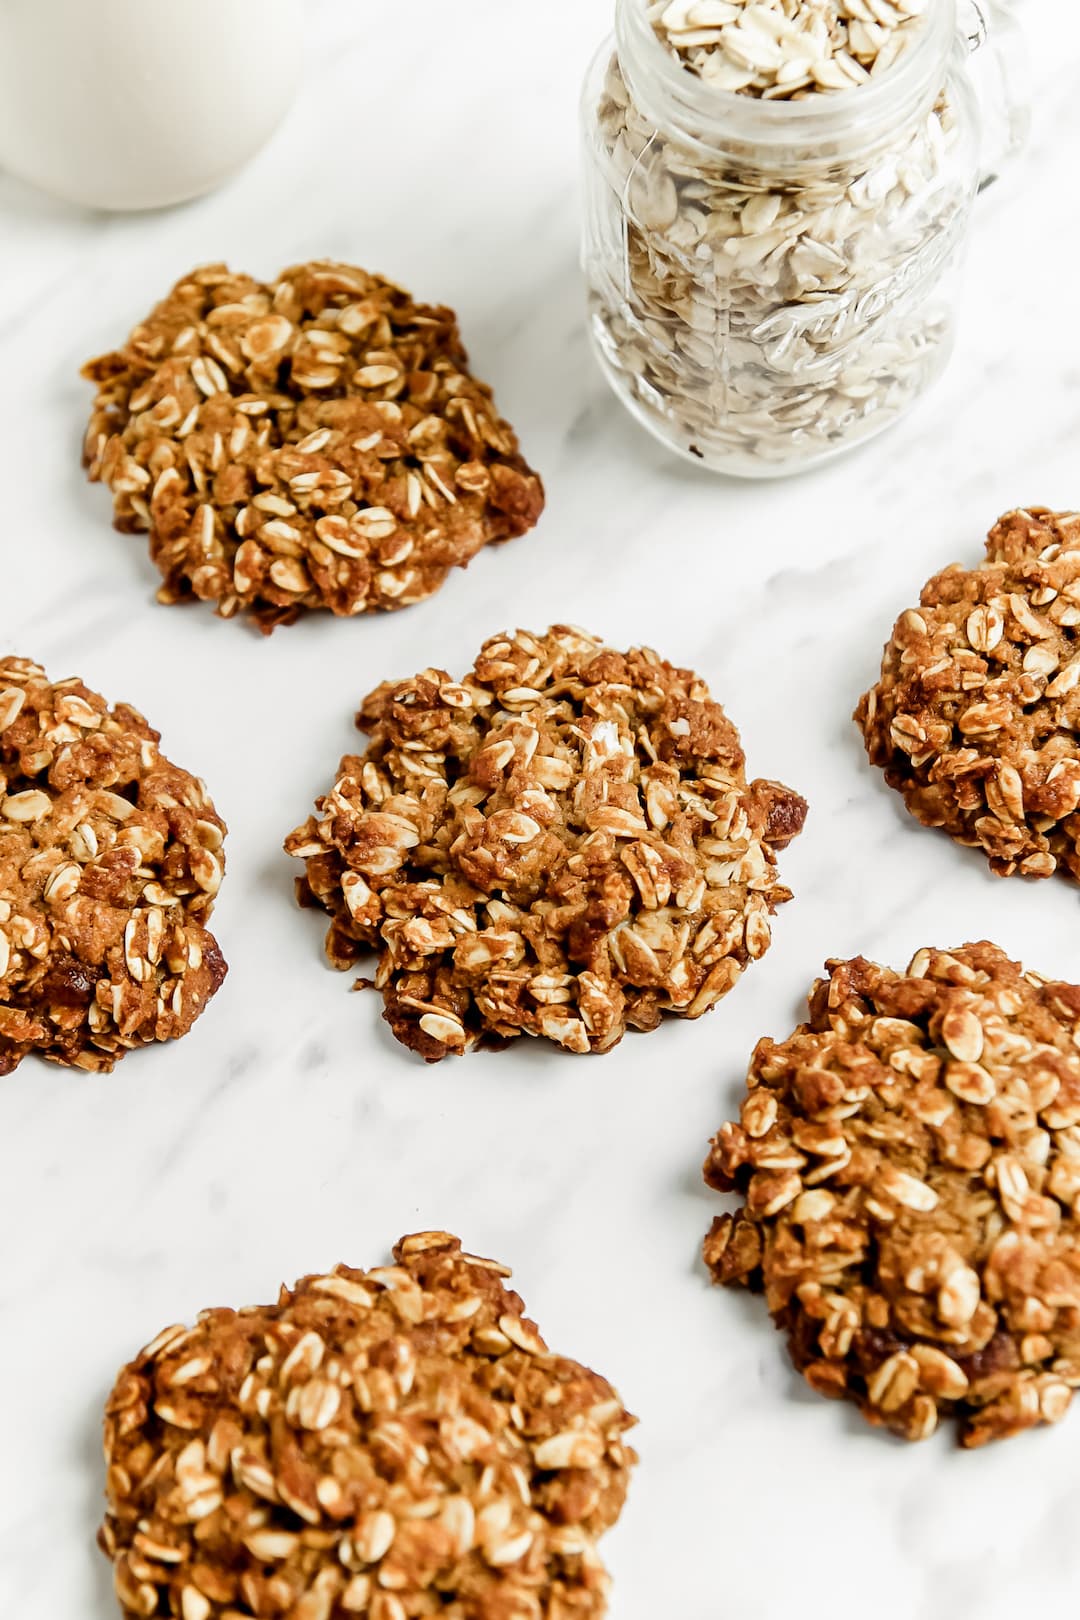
(563, 844)
(394, 1444)
(111, 858)
(910, 1192)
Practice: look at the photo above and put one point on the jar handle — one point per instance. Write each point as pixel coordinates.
(999, 70)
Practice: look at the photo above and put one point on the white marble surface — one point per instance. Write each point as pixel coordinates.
(438, 144)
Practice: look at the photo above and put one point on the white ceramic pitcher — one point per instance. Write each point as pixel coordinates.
(140, 103)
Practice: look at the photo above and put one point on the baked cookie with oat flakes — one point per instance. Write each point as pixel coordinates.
(975, 717)
(110, 860)
(563, 844)
(316, 441)
(395, 1443)
(909, 1172)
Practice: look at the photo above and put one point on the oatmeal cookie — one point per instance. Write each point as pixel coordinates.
(975, 717)
(393, 1443)
(313, 442)
(910, 1170)
(110, 859)
(562, 844)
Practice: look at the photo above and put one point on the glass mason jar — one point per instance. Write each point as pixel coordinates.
(771, 282)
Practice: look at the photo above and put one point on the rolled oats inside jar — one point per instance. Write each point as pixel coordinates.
(777, 196)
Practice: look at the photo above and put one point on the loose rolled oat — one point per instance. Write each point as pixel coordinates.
(395, 1443)
(909, 1164)
(313, 442)
(562, 844)
(110, 860)
(785, 50)
(975, 717)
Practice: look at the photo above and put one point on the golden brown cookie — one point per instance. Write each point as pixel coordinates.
(395, 1443)
(312, 442)
(563, 844)
(975, 717)
(909, 1167)
(110, 859)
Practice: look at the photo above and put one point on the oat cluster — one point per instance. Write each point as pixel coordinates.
(563, 844)
(312, 442)
(909, 1163)
(975, 717)
(394, 1444)
(786, 49)
(110, 859)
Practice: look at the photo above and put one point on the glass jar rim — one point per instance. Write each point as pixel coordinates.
(871, 109)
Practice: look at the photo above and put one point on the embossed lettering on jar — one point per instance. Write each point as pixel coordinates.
(777, 198)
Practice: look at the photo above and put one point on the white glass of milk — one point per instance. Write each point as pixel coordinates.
(140, 103)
